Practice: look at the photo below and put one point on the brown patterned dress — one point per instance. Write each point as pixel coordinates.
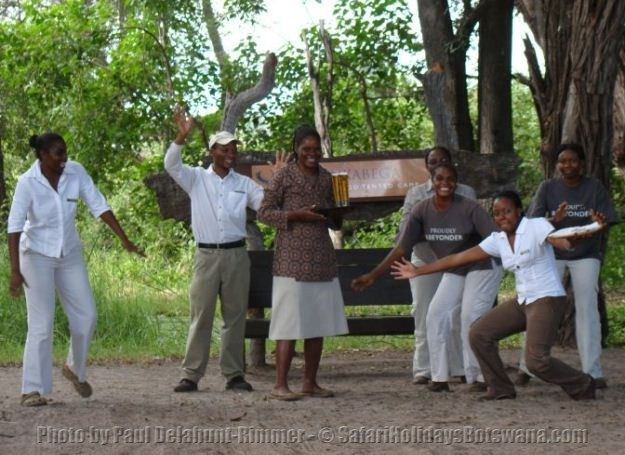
(306, 295)
(303, 250)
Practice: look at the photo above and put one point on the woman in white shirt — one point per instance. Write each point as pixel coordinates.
(46, 256)
(525, 249)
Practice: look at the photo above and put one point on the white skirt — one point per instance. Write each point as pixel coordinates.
(306, 309)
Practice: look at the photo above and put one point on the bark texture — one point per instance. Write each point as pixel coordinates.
(444, 83)
(494, 97)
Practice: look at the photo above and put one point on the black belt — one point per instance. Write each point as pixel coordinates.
(222, 246)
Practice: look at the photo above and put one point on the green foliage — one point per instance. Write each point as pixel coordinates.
(371, 44)
(616, 323)
(380, 233)
(526, 141)
(613, 270)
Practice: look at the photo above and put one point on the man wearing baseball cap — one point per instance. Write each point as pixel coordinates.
(221, 266)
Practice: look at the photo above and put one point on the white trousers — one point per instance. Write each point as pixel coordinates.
(45, 275)
(471, 296)
(423, 289)
(585, 281)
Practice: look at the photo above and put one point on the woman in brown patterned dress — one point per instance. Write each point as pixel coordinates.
(306, 300)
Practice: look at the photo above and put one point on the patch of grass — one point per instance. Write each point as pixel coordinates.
(143, 311)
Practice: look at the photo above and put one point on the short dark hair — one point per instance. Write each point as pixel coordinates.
(577, 148)
(448, 166)
(44, 141)
(512, 196)
(440, 148)
(302, 132)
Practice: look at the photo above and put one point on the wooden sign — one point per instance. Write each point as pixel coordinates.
(368, 179)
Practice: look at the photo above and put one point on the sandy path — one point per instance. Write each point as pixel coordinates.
(133, 410)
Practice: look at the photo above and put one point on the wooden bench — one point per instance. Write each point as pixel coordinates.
(351, 263)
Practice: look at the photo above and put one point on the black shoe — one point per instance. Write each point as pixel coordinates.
(438, 386)
(588, 394)
(522, 378)
(186, 385)
(600, 383)
(421, 380)
(238, 383)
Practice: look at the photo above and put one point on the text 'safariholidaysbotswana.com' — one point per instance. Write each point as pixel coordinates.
(337, 435)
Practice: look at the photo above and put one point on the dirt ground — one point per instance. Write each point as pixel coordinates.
(376, 408)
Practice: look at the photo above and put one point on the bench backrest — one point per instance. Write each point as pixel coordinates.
(351, 263)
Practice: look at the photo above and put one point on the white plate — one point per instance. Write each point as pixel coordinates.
(576, 230)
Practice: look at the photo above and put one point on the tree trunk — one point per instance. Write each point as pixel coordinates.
(373, 137)
(322, 103)
(445, 81)
(235, 107)
(618, 142)
(494, 96)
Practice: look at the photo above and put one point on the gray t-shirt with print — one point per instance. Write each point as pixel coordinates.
(589, 194)
(463, 225)
(420, 193)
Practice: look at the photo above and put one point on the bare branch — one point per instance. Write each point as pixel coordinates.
(213, 33)
(320, 104)
(327, 100)
(240, 102)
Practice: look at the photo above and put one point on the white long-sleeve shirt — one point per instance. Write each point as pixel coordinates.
(45, 217)
(218, 205)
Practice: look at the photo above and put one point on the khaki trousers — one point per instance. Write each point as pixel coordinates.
(540, 320)
(224, 274)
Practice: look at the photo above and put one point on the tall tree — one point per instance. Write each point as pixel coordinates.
(574, 94)
(494, 61)
(445, 82)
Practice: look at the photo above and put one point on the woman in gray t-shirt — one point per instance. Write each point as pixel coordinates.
(449, 223)
(568, 200)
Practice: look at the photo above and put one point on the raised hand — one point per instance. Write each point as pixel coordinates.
(184, 121)
(282, 159)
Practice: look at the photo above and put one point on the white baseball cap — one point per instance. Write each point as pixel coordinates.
(223, 138)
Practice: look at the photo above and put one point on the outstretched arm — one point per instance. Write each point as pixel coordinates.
(109, 218)
(366, 280)
(404, 269)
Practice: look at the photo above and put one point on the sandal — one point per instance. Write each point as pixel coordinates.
(317, 392)
(33, 399)
(285, 396)
(83, 388)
